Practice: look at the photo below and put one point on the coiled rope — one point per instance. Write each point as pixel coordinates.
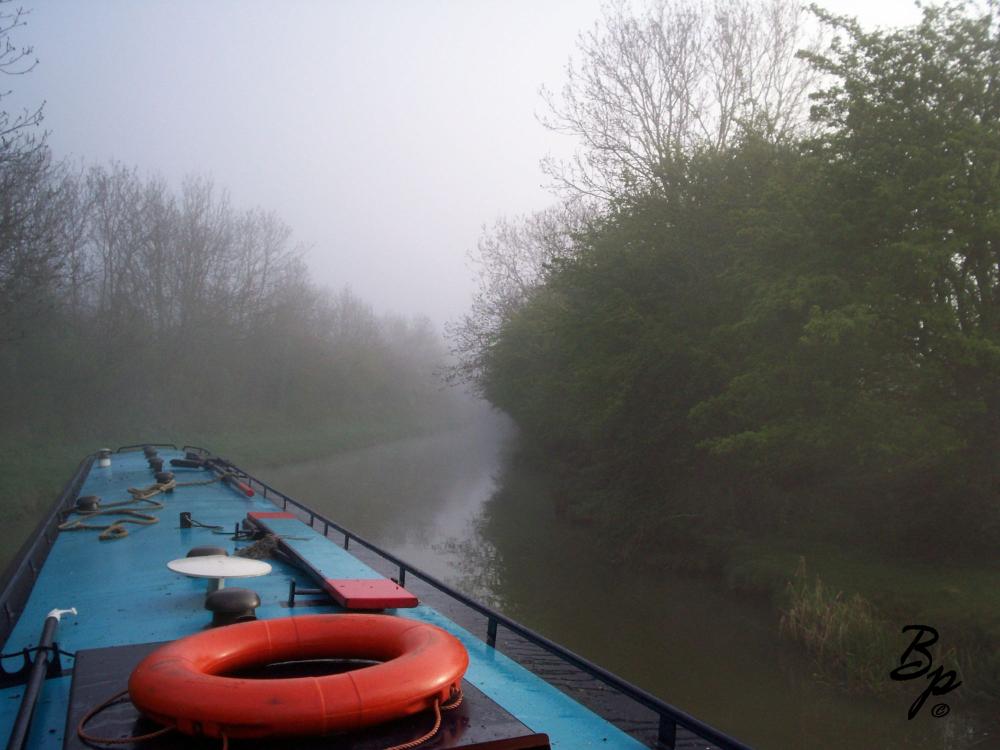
(132, 510)
(87, 737)
(158, 487)
(115, 529)
(438, 708)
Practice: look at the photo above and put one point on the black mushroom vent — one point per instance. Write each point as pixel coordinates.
(232, 605)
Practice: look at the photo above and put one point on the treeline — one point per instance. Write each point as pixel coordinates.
(129, 307)
(792, 332)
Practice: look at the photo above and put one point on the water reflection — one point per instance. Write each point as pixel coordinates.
(416, 497)
(452, 505)
(711, 652)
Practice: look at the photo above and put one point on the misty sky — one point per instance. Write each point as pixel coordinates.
(385, 133)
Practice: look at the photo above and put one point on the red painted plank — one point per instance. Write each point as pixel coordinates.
(349, 593)
(376, 593)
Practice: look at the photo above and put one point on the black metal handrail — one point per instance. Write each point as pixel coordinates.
(670, 717)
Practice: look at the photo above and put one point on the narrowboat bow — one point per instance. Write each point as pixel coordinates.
(170, 599)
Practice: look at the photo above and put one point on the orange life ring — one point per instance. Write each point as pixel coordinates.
(183, 684)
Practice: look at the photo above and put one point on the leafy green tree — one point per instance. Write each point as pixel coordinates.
(795, 331)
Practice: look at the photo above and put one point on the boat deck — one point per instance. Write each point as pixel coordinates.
(124, 594)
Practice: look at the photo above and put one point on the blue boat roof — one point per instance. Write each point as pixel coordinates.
(125, 594)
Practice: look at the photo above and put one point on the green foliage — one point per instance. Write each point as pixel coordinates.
(794, 335)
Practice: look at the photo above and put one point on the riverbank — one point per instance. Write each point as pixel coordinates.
(845, 606)
(960, 600)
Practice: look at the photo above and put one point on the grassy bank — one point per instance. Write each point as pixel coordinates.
(849, 606)
(845, 605)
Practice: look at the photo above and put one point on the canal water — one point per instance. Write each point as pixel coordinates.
(452, 505)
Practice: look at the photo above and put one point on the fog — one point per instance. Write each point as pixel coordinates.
(386, 134)
(729, 368)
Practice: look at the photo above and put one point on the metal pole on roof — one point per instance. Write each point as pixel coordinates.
(33, 688)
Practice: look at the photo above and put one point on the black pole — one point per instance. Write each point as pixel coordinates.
(19, 734)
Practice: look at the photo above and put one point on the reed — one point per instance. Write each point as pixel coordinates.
(851, 644)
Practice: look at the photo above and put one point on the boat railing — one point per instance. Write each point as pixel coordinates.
(669, 717)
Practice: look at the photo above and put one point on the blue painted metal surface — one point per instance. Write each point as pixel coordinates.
(533, 701)
(49, 722)
(125, 594)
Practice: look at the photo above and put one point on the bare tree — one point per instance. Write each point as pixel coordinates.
(116, 236)
(157, 215)
(511, 260)
(651, 88)
(35, 199)
(31, 197)
(15, 129)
